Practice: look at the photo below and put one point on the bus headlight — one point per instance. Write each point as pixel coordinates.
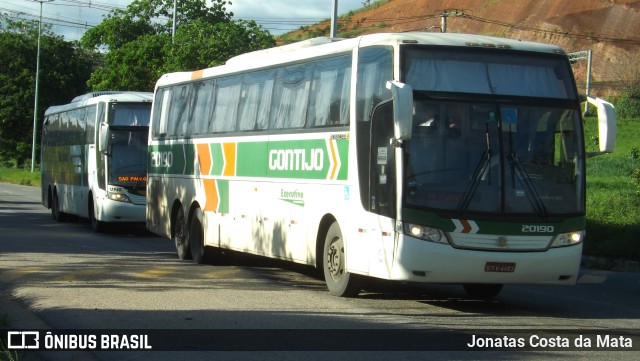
(119, 197)
(426, 233)
(567, 239)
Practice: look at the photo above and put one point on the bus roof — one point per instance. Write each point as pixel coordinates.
(94, 97)
(326, 46)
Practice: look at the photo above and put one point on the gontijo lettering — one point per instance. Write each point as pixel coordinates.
(296, 159)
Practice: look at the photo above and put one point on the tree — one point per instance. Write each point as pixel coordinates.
(64, 70)
(140, 48)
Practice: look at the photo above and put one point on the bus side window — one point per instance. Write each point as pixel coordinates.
(202, 107)
(374, 70)
(179, 110)
(329, 99)
(162, 105)
(291, 97)
(90, 120)
(226, 105)
(82, 125)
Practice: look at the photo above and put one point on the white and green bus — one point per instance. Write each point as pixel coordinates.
(418, 157)
(94, 158)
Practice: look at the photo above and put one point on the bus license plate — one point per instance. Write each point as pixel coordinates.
(499, 267)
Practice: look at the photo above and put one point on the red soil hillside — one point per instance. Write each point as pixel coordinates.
(610, 28)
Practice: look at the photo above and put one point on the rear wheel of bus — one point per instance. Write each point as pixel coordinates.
(55, 208)
(340, 282)
(199, 251)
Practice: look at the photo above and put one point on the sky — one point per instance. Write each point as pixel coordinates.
(70, 18)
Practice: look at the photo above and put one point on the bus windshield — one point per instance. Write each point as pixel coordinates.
(488, 71)
(491, 158)
(128, 157)
(130, 114)
(513, 147)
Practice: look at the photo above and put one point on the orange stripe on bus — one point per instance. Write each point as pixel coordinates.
(211, 192)
(335, 160)
(229, 159)
(196, 74)
(204, 158)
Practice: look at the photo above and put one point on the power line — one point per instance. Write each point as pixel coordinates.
(46, 20)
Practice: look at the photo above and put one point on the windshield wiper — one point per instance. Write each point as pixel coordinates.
(484, 166)
(518, 170)
(530, 189)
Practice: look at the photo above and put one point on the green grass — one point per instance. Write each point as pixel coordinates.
(613, 207)
(19, 176)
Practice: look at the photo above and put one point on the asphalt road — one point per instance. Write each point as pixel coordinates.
(62, 276)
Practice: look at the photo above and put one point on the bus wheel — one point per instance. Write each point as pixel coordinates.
(196, 237)
(340, 282)
(55, 208)
(181, 235)
(96, 225)
(482, 291)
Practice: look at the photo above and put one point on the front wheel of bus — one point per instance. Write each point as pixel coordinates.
(340, 282)
(483, 291)
(97, 225)
(181, 235)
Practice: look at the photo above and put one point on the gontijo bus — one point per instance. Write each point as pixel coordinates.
(418, 157)
(94, 157)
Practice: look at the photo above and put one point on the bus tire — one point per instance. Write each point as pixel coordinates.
(340, 282)
(482, 291)
(196, 237)
(96, 225)
(181, 235)
(56, 214)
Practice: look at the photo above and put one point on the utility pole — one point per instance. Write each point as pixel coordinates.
(584, 55)
(35, 105)
(444, 14)
(334, 19)
(173, 26)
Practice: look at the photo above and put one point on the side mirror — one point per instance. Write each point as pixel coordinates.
(402, 109)
(606, 125)
(103, 137)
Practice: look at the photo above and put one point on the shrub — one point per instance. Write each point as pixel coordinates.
(627, 107)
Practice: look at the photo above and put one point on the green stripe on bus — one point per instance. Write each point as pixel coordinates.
(318, 159)
(223, 191)
(252, 157)
(172, 159)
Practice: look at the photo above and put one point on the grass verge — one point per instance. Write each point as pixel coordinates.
(19, 176)
(613, 206)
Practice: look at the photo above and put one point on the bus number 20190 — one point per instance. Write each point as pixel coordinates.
(162, 159)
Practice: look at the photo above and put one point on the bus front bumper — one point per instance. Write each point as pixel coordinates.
(422, 261)
(115, 211)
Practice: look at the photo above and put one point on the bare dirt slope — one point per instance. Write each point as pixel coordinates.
(610, 28)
